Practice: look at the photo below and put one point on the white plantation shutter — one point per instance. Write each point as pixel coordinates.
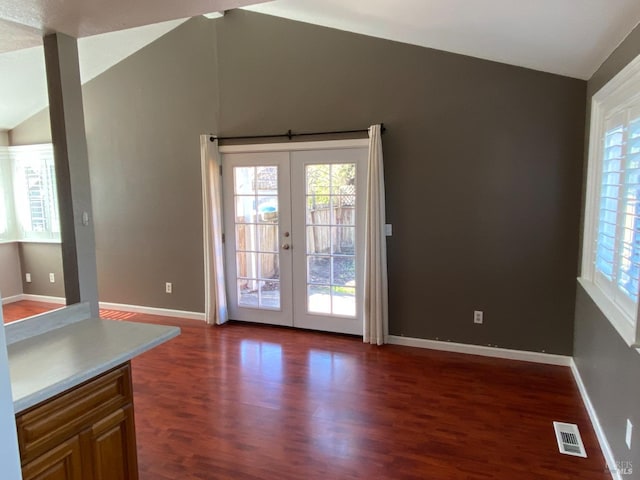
(609, 199)
(35, 194)
(618, 240)
(6, 202)
(611, 249)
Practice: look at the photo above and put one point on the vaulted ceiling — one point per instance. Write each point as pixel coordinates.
(566, 37)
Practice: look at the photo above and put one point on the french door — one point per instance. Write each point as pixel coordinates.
(294, 226)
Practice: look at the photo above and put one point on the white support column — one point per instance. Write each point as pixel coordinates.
(9, 454)
(72, 170)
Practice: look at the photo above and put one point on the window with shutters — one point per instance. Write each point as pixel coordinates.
(28, 195)
(6, 200)
(34, 186)
(611, 249)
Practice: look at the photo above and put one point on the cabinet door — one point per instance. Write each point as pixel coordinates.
(63, 462)
(113, 447)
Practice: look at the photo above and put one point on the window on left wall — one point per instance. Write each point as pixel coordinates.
(6, 200)
(29, 210)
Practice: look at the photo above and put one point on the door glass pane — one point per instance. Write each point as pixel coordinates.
(269, 268)
(344, 271)
(318, 240)
(267, 211)
(343, 301)
(319, 270)
(318, 209)
(343, 179)
(318, 178)
(331, 238)
(344, 210)
(247, 265)
(244, 180)
(245, 237)
(267, 180)
(343, 240)
(270, 294)
(248, 293)
(257, 233)
(268, 238)
(319, 299)
(245, 209)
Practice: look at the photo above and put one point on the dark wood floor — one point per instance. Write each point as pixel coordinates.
(28, 308)
(253, 402)
(25, 308)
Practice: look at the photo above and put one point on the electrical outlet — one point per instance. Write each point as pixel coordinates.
(627, 437)
(168, 287)
(52, 278)
(27, 277)
(478, 317)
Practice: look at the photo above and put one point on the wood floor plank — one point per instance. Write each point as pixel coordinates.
(25, 308)
(244, 401)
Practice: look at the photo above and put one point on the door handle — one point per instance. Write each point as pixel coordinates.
(286, 246)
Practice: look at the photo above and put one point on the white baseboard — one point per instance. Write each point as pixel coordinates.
(548, 358)
(43, 298)
(112, 306)
(602, 439)
(12, 299)
(153, 311)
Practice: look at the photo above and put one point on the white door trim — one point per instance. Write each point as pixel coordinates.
(289, 290)
(295, 146)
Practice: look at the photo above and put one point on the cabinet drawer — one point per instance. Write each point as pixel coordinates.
(47, 424)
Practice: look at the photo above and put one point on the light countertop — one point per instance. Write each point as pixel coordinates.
(45, 365)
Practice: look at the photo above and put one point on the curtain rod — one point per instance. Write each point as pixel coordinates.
(290, 134)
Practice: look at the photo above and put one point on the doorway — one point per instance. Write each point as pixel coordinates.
(294, 227)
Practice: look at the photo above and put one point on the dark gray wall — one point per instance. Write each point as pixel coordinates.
(40, 259)
(143, 119)
(482, 169)
(482, 163)
(608, 367)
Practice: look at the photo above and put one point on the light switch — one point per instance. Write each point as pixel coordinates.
(388, 229)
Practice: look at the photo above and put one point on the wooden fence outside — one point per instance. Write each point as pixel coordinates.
(319, 241)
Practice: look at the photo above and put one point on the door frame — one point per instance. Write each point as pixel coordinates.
(287, 147)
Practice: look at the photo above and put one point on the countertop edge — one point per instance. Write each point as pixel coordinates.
(56, 388)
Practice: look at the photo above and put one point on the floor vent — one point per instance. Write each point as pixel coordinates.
(569, 440)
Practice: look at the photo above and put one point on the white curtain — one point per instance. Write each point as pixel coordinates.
(215, 307)
(376, 304)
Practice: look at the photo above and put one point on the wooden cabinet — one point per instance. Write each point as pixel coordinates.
(113, 452)
(60, 463)
(86, 433)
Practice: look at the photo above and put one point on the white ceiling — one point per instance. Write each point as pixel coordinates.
(23, 22)
(108, 32)
(567, 37)
(24, 92)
